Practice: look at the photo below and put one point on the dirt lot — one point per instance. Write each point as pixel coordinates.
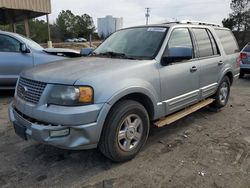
(206, 149)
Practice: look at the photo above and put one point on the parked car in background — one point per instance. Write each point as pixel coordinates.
(18, 53)
(76, 40)
(136, 77)
(82, 40)
(245, 61)
(69, 40)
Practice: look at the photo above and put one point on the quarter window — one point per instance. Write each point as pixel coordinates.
(228, 41)
(9, 44)
(204, 43)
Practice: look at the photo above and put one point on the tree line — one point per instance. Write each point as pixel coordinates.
(67, 25)
(239, 21)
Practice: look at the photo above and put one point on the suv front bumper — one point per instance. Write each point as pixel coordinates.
(77, 137)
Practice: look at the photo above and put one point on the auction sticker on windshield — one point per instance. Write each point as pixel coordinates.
(157, 29)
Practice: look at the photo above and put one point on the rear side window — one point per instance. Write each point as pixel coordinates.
(228, 41)
(247, 48)
(203, 41)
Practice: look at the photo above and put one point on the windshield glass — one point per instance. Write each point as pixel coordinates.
(140, 42)
(31, 43)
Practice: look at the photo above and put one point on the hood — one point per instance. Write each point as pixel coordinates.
(69, 71)
(62, 52)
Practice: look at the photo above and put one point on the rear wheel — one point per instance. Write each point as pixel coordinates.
(125, 131)
(222, 94)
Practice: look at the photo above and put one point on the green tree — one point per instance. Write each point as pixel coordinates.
(38, 29)
(71, 25)
(66, 24)
(84, 25)
(239, 20)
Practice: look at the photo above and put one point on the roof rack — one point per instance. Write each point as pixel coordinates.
(194, 22)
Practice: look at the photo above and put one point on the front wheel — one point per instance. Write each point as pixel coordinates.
(125, 131)
(222, 94)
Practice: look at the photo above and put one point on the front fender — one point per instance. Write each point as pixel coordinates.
(148, 91)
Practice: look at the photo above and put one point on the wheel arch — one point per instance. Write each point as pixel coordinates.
(229, 74)
(142, 96)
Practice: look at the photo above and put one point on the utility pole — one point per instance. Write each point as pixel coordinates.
(147, 15)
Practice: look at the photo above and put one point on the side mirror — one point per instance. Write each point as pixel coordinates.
(86, 51)
(177, 54)
(24, 48)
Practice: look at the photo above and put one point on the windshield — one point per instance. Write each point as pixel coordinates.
(140, 42)
(31, 43)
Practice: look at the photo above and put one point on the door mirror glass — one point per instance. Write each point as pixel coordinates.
(177, 54)
(24, 48)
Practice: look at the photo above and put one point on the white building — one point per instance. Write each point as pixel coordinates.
(108, 25)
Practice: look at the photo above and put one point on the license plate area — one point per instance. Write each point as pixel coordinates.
(20, 131)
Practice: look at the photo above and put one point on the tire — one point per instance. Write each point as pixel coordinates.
(125, 131)
(222, 94)
(241, 75)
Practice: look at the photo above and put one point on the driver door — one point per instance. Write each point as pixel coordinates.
(12, 61)
(180, 78)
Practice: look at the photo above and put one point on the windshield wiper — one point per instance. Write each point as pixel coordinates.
(115, 54)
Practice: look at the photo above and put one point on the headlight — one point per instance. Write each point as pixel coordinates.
(70, 95)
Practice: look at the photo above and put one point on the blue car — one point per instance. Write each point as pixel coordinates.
(245, 61)
(18, 53)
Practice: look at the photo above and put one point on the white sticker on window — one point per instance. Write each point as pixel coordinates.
(157, 29)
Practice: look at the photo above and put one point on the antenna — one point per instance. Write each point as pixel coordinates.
(147, 15)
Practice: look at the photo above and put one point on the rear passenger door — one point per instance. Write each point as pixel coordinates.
(210, 60)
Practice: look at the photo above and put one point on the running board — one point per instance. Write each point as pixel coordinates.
(189, 110)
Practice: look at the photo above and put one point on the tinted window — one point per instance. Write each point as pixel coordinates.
(214, 45)
(204, 43)
(180, 44)
(228, 41)
(9, 44)
(247, 48)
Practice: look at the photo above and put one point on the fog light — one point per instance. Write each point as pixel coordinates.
(59, 133)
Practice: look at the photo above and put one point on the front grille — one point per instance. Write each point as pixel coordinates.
(30, 90)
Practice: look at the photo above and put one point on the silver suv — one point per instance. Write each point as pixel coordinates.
(136, 77)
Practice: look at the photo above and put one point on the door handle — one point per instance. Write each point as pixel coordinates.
(193, 69)
(220, 63)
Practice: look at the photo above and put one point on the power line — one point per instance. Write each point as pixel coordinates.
(147, 15)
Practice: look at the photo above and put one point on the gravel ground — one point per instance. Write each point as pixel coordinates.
(205, 149)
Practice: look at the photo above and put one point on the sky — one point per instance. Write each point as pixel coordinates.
(133, 11)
